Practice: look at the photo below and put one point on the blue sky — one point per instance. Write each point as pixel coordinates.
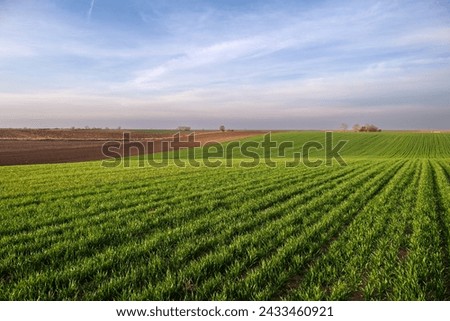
(244, 64)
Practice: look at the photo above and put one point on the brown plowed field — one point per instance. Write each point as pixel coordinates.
(44, 146)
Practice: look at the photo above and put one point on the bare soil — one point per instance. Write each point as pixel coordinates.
(46, 146)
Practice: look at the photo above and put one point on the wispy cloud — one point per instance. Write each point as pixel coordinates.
(89, 13)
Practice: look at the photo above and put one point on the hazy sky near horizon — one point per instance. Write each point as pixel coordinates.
(244, 64)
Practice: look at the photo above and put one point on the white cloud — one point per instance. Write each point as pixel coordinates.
(427, 36)
(89, 13)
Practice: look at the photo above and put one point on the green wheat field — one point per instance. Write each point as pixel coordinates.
(376, 229)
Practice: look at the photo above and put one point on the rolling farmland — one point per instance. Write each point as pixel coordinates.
(376, 229)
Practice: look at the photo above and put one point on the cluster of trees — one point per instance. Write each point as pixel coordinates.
(362, 128)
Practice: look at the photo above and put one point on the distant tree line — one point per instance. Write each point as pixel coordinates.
(366, 128)
(361, 128)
